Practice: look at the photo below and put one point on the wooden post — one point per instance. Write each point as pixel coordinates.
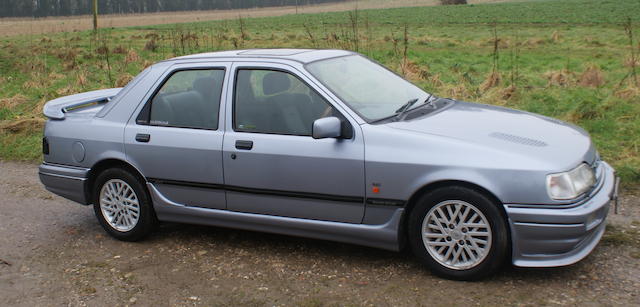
(95, 15)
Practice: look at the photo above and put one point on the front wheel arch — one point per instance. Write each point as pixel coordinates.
(411, 203)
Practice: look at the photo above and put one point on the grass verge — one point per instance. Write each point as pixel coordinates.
(571, 60)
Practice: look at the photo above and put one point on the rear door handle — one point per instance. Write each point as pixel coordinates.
(143, 137)
(244, 145)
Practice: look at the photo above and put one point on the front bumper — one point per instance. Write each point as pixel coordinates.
(549, 237)
(66, 181)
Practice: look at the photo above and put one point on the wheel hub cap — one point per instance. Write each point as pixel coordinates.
(456, 234)
(119, 205)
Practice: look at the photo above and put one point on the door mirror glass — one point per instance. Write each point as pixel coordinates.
(327, 127)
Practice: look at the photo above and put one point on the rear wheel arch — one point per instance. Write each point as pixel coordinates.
(106, 164)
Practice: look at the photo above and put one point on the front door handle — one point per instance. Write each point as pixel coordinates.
(143, 137)
(244, 145)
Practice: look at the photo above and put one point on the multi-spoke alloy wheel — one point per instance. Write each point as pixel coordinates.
(119, 205)
(122, 205)
(456, 234)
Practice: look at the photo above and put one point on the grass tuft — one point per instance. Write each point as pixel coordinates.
(592, 77)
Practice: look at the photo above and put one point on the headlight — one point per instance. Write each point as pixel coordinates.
(571, 184)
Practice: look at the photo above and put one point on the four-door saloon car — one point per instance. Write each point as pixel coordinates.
(327, 144)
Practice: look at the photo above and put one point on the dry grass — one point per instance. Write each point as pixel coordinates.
(132, 57)
(67, 54)
(629, 92)
(435, 80)
(412, 71)
(630, 62)
(509, 92)
(534, 42)
(81, 79)
(459, 91)
(151, 45)
(10, 103)
(492, 80)
(562, 78)
(123, 80)
(502, 43)
(67, 90)
(30, 84)
(102, 50)
(592, 77)
(23, 125)
(119, 50)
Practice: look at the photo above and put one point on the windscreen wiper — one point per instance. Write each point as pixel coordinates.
(431, 102)
(404, 108)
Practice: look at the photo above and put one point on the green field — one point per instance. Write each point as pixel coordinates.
(566, 59)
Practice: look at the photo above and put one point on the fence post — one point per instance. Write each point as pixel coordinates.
(95, 15)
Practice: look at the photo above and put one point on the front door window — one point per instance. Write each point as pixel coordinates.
(268, 101)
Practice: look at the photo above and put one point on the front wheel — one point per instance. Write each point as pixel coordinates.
(122, 205)
(458, 233)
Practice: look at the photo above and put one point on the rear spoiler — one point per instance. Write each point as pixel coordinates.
(55, 109)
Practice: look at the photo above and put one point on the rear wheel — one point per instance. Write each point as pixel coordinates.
(458, 233)
(122, 205)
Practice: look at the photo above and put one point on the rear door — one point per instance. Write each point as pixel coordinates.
(272, 165)
(176, 138)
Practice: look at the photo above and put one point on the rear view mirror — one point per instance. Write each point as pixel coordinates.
(326, 127)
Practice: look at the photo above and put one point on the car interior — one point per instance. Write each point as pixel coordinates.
(282, 106)
(194, 108)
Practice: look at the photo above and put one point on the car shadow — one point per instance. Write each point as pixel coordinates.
(350, 254)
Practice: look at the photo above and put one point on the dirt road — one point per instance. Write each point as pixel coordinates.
(53, 252)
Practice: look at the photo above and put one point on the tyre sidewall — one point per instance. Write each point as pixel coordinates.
(489, 208)
(147, 219)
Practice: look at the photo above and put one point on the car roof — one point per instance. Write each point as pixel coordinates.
(299, 55)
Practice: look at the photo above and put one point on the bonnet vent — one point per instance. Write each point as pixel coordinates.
(518, 139)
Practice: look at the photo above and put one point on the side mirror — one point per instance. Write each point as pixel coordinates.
(326, 127)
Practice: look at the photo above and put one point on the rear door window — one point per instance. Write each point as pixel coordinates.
(189, 99)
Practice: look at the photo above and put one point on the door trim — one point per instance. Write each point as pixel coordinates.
(308, 195)
(330, 197)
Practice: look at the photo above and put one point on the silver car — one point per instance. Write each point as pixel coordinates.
(327, 144)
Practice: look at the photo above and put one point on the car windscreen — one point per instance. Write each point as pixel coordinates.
(371, 90)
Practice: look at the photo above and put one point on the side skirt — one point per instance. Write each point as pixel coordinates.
(383, 236)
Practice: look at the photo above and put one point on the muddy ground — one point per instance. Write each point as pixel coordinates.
(53, 252)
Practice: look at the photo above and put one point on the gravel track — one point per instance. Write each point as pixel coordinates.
(53, 252)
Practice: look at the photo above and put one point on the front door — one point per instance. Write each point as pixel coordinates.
(176, 140)
(273, 166)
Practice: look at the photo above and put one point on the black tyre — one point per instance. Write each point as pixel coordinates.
(122, 205)
(458, 233)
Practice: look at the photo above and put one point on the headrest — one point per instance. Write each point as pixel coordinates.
(275, 82)
(205, 86)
